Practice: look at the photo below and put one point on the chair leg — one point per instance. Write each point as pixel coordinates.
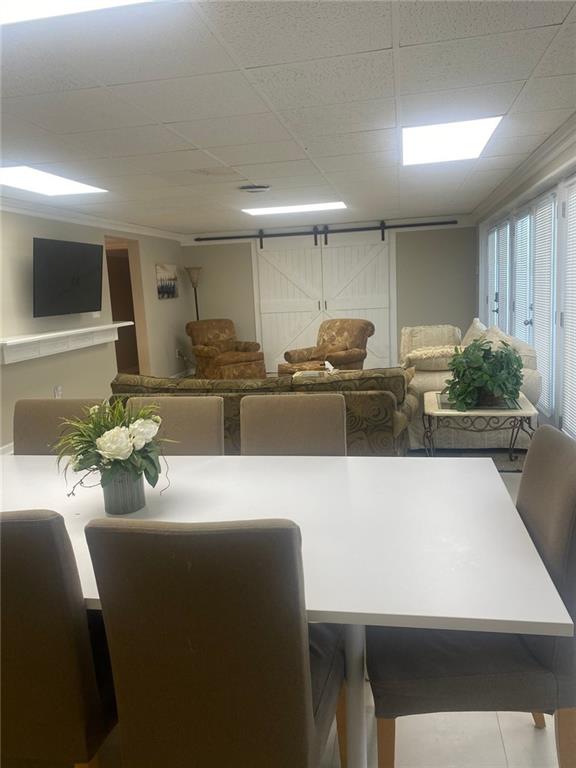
(539, 720)
(565, 725)
(341, 727)
(386, 737)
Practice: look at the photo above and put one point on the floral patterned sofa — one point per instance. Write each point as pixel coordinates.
(378, 408)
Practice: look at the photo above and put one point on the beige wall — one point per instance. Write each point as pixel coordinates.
(226, 288)
(436, 277)
(85, 372)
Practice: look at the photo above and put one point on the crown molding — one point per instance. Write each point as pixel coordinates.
(71, 217)
(544, 167)
(464, 220)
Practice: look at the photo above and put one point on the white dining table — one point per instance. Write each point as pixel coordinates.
(398, 542)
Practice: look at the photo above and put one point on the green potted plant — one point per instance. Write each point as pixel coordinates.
(121, 445)
(484, 376)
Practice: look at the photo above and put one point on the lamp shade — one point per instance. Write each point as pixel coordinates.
(194, 275)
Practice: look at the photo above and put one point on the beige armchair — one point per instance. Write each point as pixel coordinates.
(219, 354)
(342, 342)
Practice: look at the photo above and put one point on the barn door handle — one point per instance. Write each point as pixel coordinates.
(325, 304)
(318, 303)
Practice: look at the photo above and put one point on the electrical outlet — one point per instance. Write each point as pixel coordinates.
(58, 391)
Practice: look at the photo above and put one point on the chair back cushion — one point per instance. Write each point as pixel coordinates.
(293, 425)
(418, 336)
(547, 504)
(209, 643)
(191, 426)
(344, 333)
(38, 423)
(51, 708)
(212, 333)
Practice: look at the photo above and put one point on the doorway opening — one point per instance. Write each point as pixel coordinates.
(126, 299)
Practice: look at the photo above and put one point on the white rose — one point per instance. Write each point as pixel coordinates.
(94, 409)
(115, 444)
(142, 431)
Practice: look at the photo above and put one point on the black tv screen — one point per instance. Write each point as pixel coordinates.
(67, 277)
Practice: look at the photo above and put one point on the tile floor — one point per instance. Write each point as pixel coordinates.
(461, 740)
(452, 740)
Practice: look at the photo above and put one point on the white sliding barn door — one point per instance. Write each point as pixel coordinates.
(299, 285)
(290, 300)
(356, 277)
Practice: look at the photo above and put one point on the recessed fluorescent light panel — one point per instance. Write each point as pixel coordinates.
(295, 208)
(446, 141)
(25, 10)
(32, 180)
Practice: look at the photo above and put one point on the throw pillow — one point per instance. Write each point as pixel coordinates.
(476, 331)
(430, 358)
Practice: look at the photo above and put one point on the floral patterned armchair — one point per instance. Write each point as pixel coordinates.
(342, 342)
(219, 355)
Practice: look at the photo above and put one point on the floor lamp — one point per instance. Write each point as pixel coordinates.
(194, 275)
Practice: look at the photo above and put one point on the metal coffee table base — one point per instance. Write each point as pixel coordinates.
(492, 423)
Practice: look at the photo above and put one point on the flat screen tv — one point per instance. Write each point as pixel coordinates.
(67, 277)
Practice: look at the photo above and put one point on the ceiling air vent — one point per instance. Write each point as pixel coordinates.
(253, 188)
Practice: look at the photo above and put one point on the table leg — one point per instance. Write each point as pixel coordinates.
(428, 435)
(516, 424)
(354, 637)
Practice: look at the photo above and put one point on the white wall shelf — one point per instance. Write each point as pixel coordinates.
(19, 348)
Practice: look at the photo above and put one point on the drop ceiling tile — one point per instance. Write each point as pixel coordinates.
(94, 168)
(472, 61)
(287, 182)
(341, 118)
(189, 98)
(352, 143)
(428, 21)
(560, 58)
(505, 162)
(89, 109)
(484, 180)
(290, 168)
(547, 93)
(151, 41)
(203, 179)
(163, 162)
(354, 162)
(512, 145)
(268, 152)
(29, 69)
(233, 130)
(123, 142)
(532, 123)
(572, 16)
(24, 143)
(461, 104)
(263, 33)
(329, 81)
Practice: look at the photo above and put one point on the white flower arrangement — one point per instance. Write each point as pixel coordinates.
(112, 439)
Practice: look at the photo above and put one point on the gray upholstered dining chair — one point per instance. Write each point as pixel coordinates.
(293, 425)
(38, 422)
(57, 697)
(423, 671)
(214, 663)
(194, 424)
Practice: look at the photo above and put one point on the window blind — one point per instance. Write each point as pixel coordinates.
(569, 319)
(492, 278)
(503, 271)
(543, 298)
(522, 289)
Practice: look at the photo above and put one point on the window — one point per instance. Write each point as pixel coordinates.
(499, 275)
(543, 298)
(568, 389)
(521, 325)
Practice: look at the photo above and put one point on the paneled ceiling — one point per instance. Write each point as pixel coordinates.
(172, 105)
